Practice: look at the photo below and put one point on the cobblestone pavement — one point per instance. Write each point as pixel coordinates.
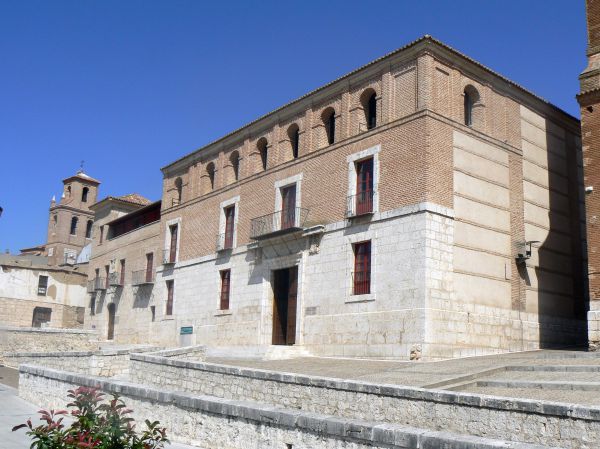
(452, 374)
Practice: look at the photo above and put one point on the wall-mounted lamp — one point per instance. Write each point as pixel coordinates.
(525, 253)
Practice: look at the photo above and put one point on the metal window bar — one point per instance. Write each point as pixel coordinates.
(292, 218)
(100, 283)
(360, 204)
(361, 282)
(142, 277)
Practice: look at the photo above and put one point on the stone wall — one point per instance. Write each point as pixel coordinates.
(531, 421)
(19, 312)
(196, 353)
(94, 363)
(210, 422)
(21, 339)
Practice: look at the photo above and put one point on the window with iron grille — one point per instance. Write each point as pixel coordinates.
(42, 285)
(364, 186)
(225, 288)
(229, 226)
(362, 268)
(170, 293)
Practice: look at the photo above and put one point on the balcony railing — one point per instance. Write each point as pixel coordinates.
(280, 222)
(114, 279)
(168, 257)
(360, 204)
(91, 286)
(224, 241)
(100, 284)
(361, 282)
(142, 277)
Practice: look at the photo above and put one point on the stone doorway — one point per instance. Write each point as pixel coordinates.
(285, 299)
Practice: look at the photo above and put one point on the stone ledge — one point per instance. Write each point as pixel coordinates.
(324, 425)
(437, 396)
(173, 352)
(50, 330)
(105, 353)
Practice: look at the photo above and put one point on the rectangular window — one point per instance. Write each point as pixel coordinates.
(122, 275)
(288, 207)
(153, 312)
(149, 266)
(101, 234)
(42, 285)
(93, 305)
(364, 186)
(173, 247)
(229, 226)
(107, 273)
(225, 287)
(362, 268)
(170, 292)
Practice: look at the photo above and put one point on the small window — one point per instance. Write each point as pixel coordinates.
(362, 268)
(55, 220)
(235, 165)
(122, 273)
(170, 293)
(149, 267)
(329, 122)
(93, 305)
(210, 171)
(88, 229)
(229, 226)
(225, 288)
(173, 245)
(68, 191)
(84, 195)
(42, 285)
(369, 104)
(179, 190)
(263, 150)
(294, 135)
(74, 226)
(101, 233)
(107, 276)
(153, 312)
(471, 97)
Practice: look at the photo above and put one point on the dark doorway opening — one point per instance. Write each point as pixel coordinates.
(285, 294)
(41, 315)
(111, 322)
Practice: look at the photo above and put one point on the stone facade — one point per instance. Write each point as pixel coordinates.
(455, 201)
(369, 415)
(589, 100)
(34, 293)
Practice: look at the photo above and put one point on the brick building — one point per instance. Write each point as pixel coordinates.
(125, 251)
(589, 100)
(420, 206)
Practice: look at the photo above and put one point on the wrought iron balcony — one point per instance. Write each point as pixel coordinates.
(114, 279)
(169, 258)
(277, 223)
(361, 282)
(224, 241)
(142, 277)
(100, 283)
(360, 204)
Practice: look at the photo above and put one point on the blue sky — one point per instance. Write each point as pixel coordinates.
(131, 85)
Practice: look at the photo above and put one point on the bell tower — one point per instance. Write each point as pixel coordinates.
(70, 222)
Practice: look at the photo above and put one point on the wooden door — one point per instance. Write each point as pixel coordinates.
(111, 322)
(364, 186)
(173, 249)
(288, 207)
(292, 299)
(285, 288)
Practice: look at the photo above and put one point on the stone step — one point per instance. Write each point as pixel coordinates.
(280, 352)
(544, 384)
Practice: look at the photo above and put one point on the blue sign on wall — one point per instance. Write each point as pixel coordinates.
(186, 330)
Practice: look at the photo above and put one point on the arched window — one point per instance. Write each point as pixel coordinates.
(210, 170)
(369, 104)
(69, 191)
(74, 226)
(294, 135)
(235, 164)
(84, 194)
(264, 152)
(471, 97)
(179, 187)
(328, 118)
(88, 229)
(55, 220)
